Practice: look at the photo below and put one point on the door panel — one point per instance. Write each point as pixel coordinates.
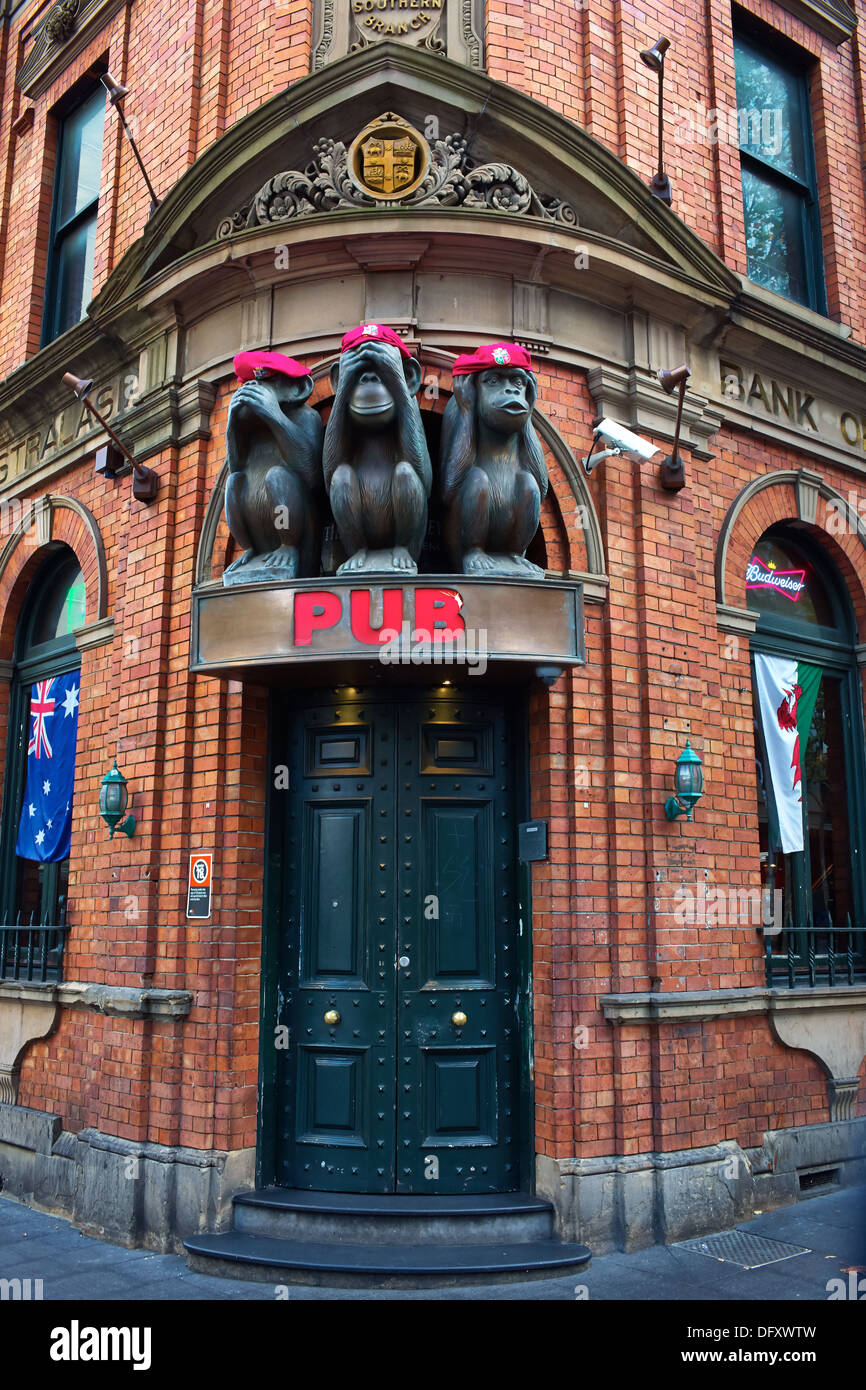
(331, 1096)
(334, 930)
(336, 1130)
(457, 844)
(400, 899)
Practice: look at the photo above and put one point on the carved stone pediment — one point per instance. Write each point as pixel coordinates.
(64, 32)
(346, 177)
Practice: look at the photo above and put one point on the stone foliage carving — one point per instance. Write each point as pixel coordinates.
(452, 181)
(61, 21)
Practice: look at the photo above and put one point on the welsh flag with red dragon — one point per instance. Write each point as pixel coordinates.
(787, 691)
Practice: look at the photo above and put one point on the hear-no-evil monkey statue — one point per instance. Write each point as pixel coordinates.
(493, 470)
(376, 465)
(274, 493)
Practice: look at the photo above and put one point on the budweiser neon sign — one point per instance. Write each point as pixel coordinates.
(791, 583)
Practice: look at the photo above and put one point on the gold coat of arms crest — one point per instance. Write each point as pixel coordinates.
(389, 158)
(389, 165)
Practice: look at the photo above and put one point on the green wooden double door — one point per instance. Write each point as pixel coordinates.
(399, 974)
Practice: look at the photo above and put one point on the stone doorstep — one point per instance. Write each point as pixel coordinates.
(153, 1195)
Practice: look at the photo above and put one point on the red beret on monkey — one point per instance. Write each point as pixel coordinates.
(373, 333)
(246, 364)
(492, 355)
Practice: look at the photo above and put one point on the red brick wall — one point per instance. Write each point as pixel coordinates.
(193, 749)
(200, 66)
(601, 760)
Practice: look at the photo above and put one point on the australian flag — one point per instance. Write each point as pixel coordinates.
(46, 815)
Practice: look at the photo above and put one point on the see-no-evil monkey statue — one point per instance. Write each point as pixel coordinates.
(493, 470)
(274, 452)
(376, 465)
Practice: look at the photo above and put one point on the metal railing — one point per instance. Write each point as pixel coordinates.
(816, 956)
(33, 952)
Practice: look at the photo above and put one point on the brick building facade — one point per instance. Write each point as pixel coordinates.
(678, 1066)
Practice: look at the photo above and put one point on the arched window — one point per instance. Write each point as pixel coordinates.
(40, 766)
(810, 759)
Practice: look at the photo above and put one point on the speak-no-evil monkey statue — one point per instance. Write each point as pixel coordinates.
(493, 471)
(376, 465)
(274, 495)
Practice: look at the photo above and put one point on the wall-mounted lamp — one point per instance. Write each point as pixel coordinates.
(688, 784)
(672, 473)
(660, 184)
(145, 482)
(116, 92)
(113, 801)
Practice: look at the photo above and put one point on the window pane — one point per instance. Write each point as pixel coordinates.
(782, 583)
(80, 158)
(770, 110)
(74, 274)
(30, 875)
(41, 898)
(61, 609)
(827, 812)
(774, 236)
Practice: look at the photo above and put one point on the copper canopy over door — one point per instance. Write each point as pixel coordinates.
(399, 946)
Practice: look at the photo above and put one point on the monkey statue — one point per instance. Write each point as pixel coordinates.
(274, 450)
(493, 470)
(376, 465)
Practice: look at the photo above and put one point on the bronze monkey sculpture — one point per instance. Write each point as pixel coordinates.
(274, 491)
(376, 464)
(493, 471)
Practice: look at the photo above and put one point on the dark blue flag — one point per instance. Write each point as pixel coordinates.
(46, 815)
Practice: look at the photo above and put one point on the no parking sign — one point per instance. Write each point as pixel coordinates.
(198, 893)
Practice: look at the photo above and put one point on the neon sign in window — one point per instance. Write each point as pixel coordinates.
(791, 583)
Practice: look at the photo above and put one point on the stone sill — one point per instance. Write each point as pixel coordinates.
(719, 1003)
(116, 1000)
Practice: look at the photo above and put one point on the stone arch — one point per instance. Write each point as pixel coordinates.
(43, 524)
(792, 495)
(213, 547)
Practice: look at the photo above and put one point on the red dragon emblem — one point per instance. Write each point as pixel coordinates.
(787, 711)
(787, 717)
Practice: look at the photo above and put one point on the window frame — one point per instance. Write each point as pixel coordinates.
(836, 655)
(58, 235)
(58, 657)
(806, 192)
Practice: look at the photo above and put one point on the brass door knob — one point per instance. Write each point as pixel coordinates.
(458, 1019)
(332, 1016)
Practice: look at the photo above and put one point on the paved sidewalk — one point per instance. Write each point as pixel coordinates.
(75, 1267)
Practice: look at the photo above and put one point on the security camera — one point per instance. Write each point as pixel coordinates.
(618, 437)
(621, 441)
